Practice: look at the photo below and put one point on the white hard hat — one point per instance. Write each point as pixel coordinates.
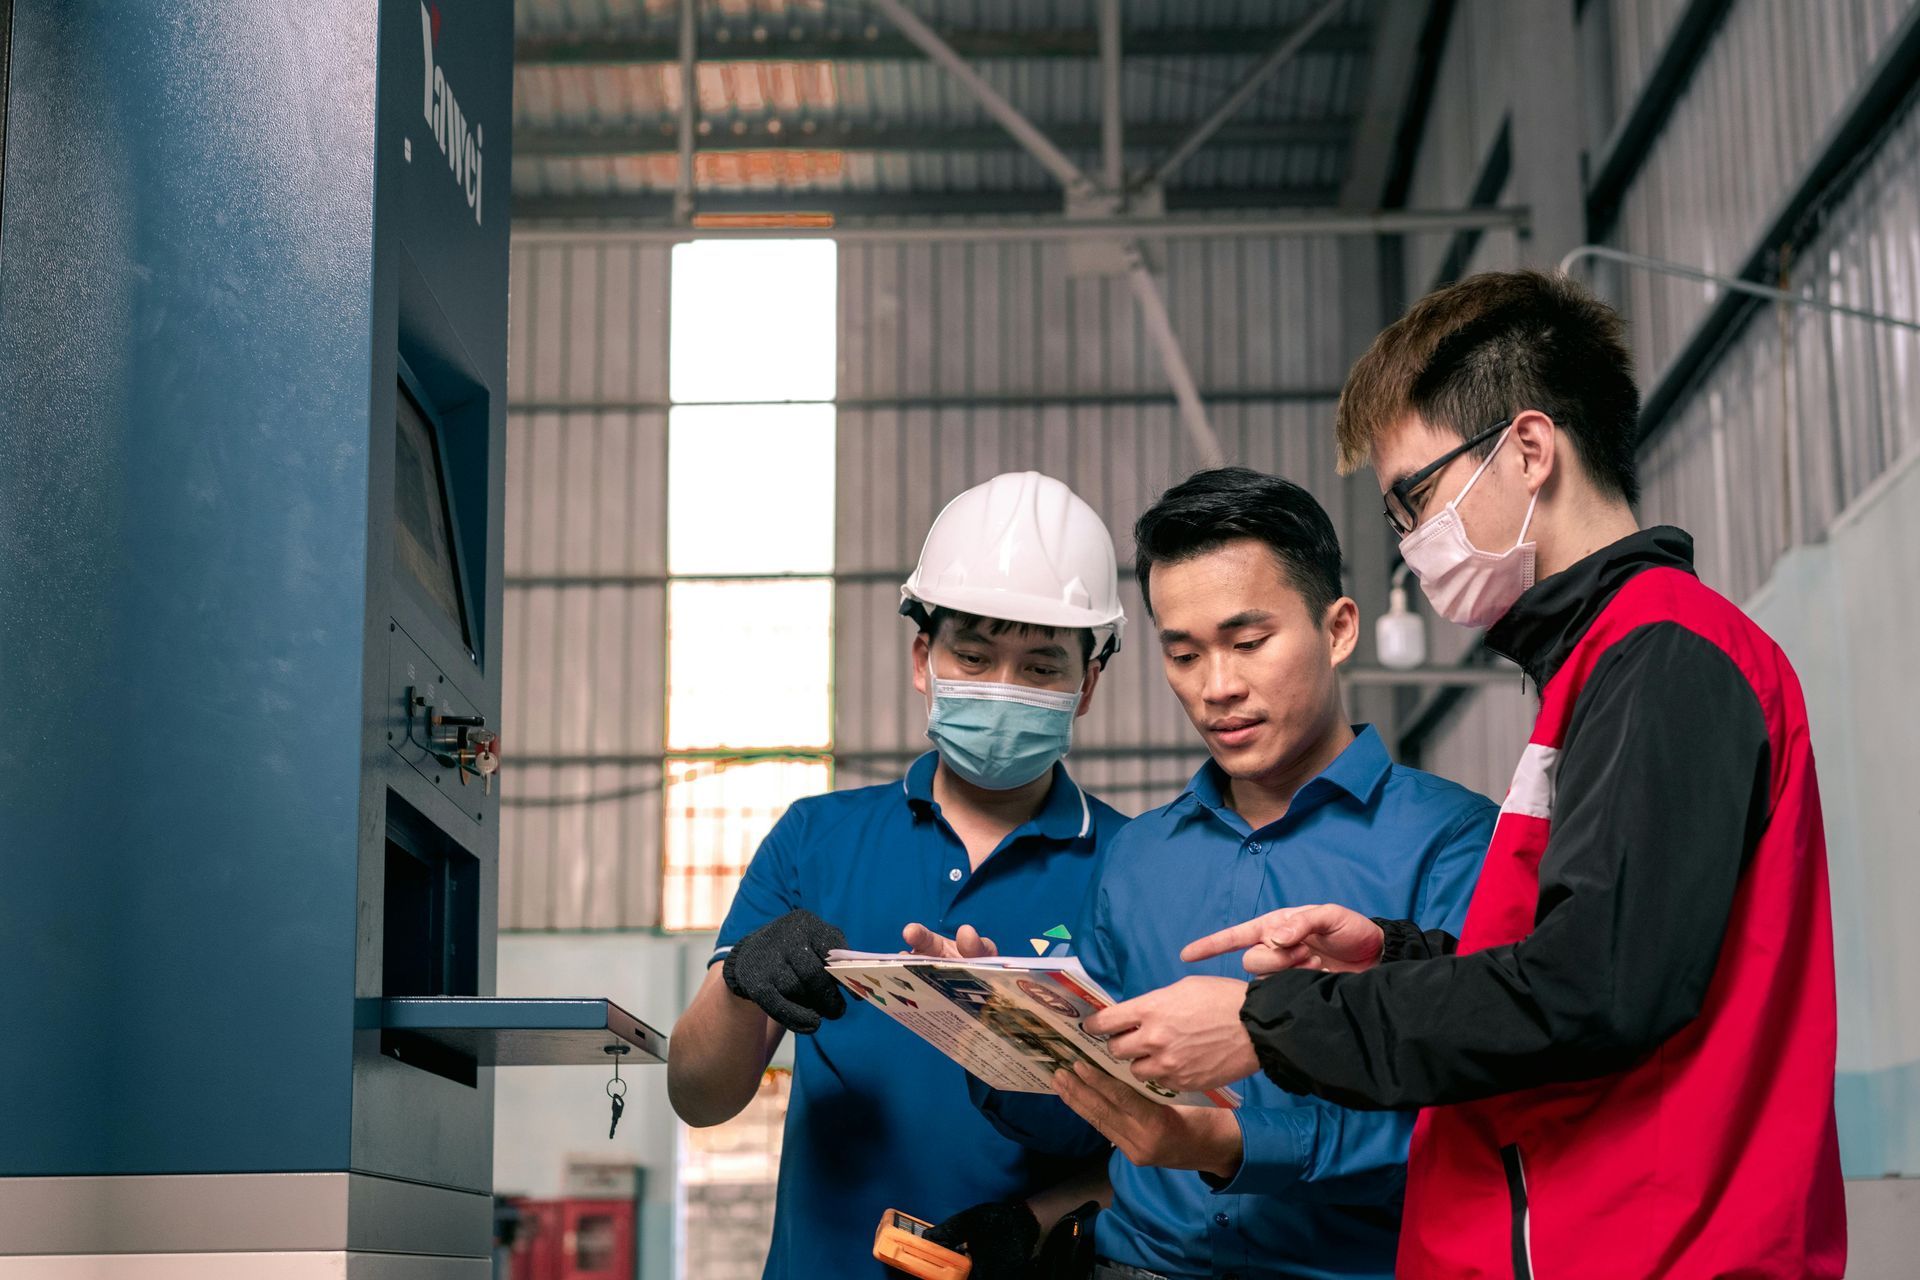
(1023, 548)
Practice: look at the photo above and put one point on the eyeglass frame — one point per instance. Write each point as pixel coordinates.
(1402, 490)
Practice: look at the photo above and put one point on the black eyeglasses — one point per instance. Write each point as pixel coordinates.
(1400, 511)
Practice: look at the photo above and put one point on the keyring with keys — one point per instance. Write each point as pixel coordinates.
(619, 1096)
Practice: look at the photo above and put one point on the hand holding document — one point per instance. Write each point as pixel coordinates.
(1012, 1021)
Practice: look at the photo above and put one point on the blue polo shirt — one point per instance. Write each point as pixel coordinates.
(1318, 1191)
(877, 1118)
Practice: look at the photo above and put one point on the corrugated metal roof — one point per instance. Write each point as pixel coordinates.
(597, 93)
(1056, 91)
(1307, 169)
(572, 16)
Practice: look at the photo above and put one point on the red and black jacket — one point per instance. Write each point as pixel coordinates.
(1626, 1059)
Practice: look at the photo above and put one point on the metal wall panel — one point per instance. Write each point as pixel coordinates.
(1471, 97)
(1804, 411)
(1481, 744)
(585, 620)
(957, 362)
(1638, 33)
(979, 350)
(1769, 448)
(1774, 79)
(966, 321)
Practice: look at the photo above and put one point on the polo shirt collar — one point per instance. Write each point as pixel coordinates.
(1358, 771)
(1064, 816)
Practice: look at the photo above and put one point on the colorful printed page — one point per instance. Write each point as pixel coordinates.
(1013, 1022)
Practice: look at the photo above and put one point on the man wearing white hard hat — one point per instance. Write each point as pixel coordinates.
(1017, 603)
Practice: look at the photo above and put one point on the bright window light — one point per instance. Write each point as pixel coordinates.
(749, 664)
(753, 320)
(750, 489)
(717, 812)
(728, 1174)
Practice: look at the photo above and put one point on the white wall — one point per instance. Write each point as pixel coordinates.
(544, 1116)
(1847, 613)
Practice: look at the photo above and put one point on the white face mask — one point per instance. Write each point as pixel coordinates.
(1466, 585)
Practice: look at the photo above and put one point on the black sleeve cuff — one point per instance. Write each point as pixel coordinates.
(1266, 1014)
(1405, 940)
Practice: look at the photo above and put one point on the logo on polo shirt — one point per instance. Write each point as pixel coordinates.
(1057, 934)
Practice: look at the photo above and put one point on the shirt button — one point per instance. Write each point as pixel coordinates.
(1220, 1219)
(1253, 846)
(954, 874)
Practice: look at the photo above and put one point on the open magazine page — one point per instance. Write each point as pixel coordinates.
(1012, 1022)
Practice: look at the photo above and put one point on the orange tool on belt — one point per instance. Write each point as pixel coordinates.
(901, 1243)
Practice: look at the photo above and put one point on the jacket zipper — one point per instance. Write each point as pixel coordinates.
(1522, 1230)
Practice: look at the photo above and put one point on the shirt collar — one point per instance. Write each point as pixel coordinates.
(1541, 629)
(918, 784)
(1358, 771)
(1065, 815)
(1361, 768)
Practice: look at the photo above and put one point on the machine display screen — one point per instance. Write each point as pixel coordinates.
(423, 537)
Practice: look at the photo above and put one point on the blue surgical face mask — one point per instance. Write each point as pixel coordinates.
(999, 736)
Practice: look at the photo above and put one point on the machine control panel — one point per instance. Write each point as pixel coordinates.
(438, 730)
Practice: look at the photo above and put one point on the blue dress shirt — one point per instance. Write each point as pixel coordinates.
(1318, 1189)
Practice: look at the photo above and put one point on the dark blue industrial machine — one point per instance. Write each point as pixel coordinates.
(253, 275)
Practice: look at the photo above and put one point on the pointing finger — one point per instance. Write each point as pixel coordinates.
(1238, 938)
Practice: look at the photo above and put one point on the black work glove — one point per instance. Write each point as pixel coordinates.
(782, 968)
(999, 1237)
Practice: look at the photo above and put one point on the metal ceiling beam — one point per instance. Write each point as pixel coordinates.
(818, 45)
(1190, 227)
(917, 406)
(1431, 677)
(656, 207)
(1173, 361)
(1495, 171)
(657, 136)
(991, 100)
(1113, 156)
(1081, 191)
(1421, 87)
(1626, 149)
(1767, 292)
(1390, 78)
(1283, 53)
(689, 105)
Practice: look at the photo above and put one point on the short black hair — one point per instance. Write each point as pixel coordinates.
(1209, 509)
(933, 620)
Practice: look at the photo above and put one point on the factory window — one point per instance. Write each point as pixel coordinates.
(750, 492)
(727, 1178)
(753, 322)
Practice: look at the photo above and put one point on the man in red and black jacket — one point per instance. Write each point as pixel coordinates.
(1625, 1061)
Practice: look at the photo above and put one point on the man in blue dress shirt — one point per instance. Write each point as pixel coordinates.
(1241, 572)
(1018, 604)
